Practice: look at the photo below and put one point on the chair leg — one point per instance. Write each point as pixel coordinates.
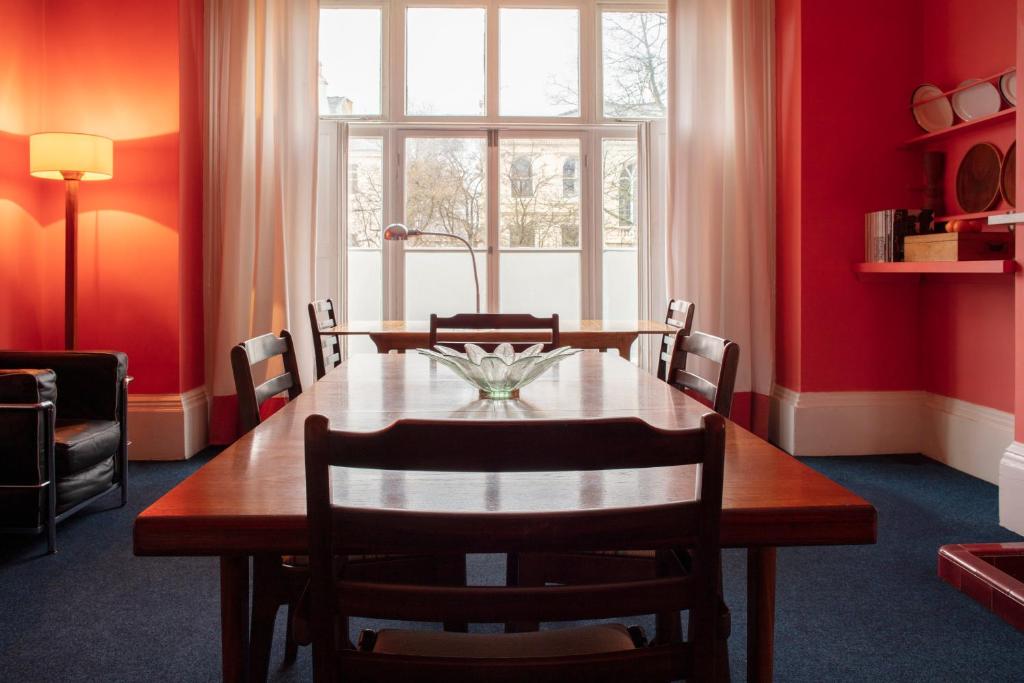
(291, 648)
(265, 603)
(51, 519)
(668, 625)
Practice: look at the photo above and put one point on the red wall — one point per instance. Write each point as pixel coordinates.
(968, 324)
(30, 295)
(139, 288)
(845, 74)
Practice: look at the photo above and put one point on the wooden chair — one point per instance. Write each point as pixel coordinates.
(680, 316)
(688, 532)
(327, 348)
(515, 325)
(726, 354)
(251, 398)
(280, 580)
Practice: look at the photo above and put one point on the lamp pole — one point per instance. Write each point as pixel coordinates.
(71, 180)
(399, 233)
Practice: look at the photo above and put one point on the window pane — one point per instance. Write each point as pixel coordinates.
(539, 59)
(441, 282)
(445, 62)
(350, 62)
(618, 186)
(540, 199)
(635, 62)
(364, 279)
(541, 283)
(618, 221)
(365, 192)
(446, 189)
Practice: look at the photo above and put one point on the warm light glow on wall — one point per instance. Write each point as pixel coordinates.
(53, 154)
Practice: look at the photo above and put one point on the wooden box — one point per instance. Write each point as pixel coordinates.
(958, 246)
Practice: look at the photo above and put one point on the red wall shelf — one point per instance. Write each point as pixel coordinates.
(937, 268)
(991, 118)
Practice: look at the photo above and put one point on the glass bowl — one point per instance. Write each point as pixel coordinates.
(504, 372)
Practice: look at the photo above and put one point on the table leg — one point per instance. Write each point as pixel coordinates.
(624, 344)
(760, 613)
(234, 616)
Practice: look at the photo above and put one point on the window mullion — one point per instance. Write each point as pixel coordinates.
(591, 241)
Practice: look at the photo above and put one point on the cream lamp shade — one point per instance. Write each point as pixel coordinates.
(53, 154)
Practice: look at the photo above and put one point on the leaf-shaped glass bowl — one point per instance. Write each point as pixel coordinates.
(504, 372)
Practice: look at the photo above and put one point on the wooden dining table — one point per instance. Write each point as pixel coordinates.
(406, 335)
(250, 499)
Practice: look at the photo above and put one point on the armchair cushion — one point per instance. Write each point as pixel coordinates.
(88, 382)
(79, 486)
(80, 444)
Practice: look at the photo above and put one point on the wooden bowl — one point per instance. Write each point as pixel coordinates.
(1008, 176)
(977, 178)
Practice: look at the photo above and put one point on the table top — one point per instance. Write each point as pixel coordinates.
(398, 327)
(251, 497)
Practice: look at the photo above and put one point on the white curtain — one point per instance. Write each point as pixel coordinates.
(721, 210)
(261, 186)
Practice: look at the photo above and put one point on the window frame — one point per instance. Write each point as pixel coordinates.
(394, 126)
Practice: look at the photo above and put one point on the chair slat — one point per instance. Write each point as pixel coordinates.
(499, 604)
(358, 532)
(493, 321)
(504, 446)
(274, 386)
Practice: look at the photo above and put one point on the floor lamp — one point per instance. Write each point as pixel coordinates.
(70, 157)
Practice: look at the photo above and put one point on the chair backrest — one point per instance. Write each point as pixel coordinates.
(518, 329)
(679, 316)
(326, 348)
(251, 396)
(499, 446)
(724, 353)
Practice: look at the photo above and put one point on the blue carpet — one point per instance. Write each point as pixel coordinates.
(95, 612)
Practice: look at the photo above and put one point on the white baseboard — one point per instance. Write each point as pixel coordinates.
(966, 436)
(1011, 488)
(846, 423)
(167, 426)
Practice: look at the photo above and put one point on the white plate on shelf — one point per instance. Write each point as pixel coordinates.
(934, 115)
(981, 99)
(1008, 86)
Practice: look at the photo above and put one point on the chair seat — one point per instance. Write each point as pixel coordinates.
(81, 444)
(585, 640)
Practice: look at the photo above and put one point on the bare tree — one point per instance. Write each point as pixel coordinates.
(635, 46)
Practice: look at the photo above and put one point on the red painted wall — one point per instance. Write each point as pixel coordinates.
(968, 325)
(845, 74)
(31, 296)
(139, 287)
(842, 114)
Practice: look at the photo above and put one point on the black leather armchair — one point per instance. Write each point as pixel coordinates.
(63, 436)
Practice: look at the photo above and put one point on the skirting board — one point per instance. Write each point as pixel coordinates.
(167, 426)
(1011, 488)
(965, 436)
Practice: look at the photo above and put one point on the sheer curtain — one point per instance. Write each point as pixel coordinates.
(721, 210)
(651, 162)
(261, 185)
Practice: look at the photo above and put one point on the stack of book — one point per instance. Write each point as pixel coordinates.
(884, 232)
